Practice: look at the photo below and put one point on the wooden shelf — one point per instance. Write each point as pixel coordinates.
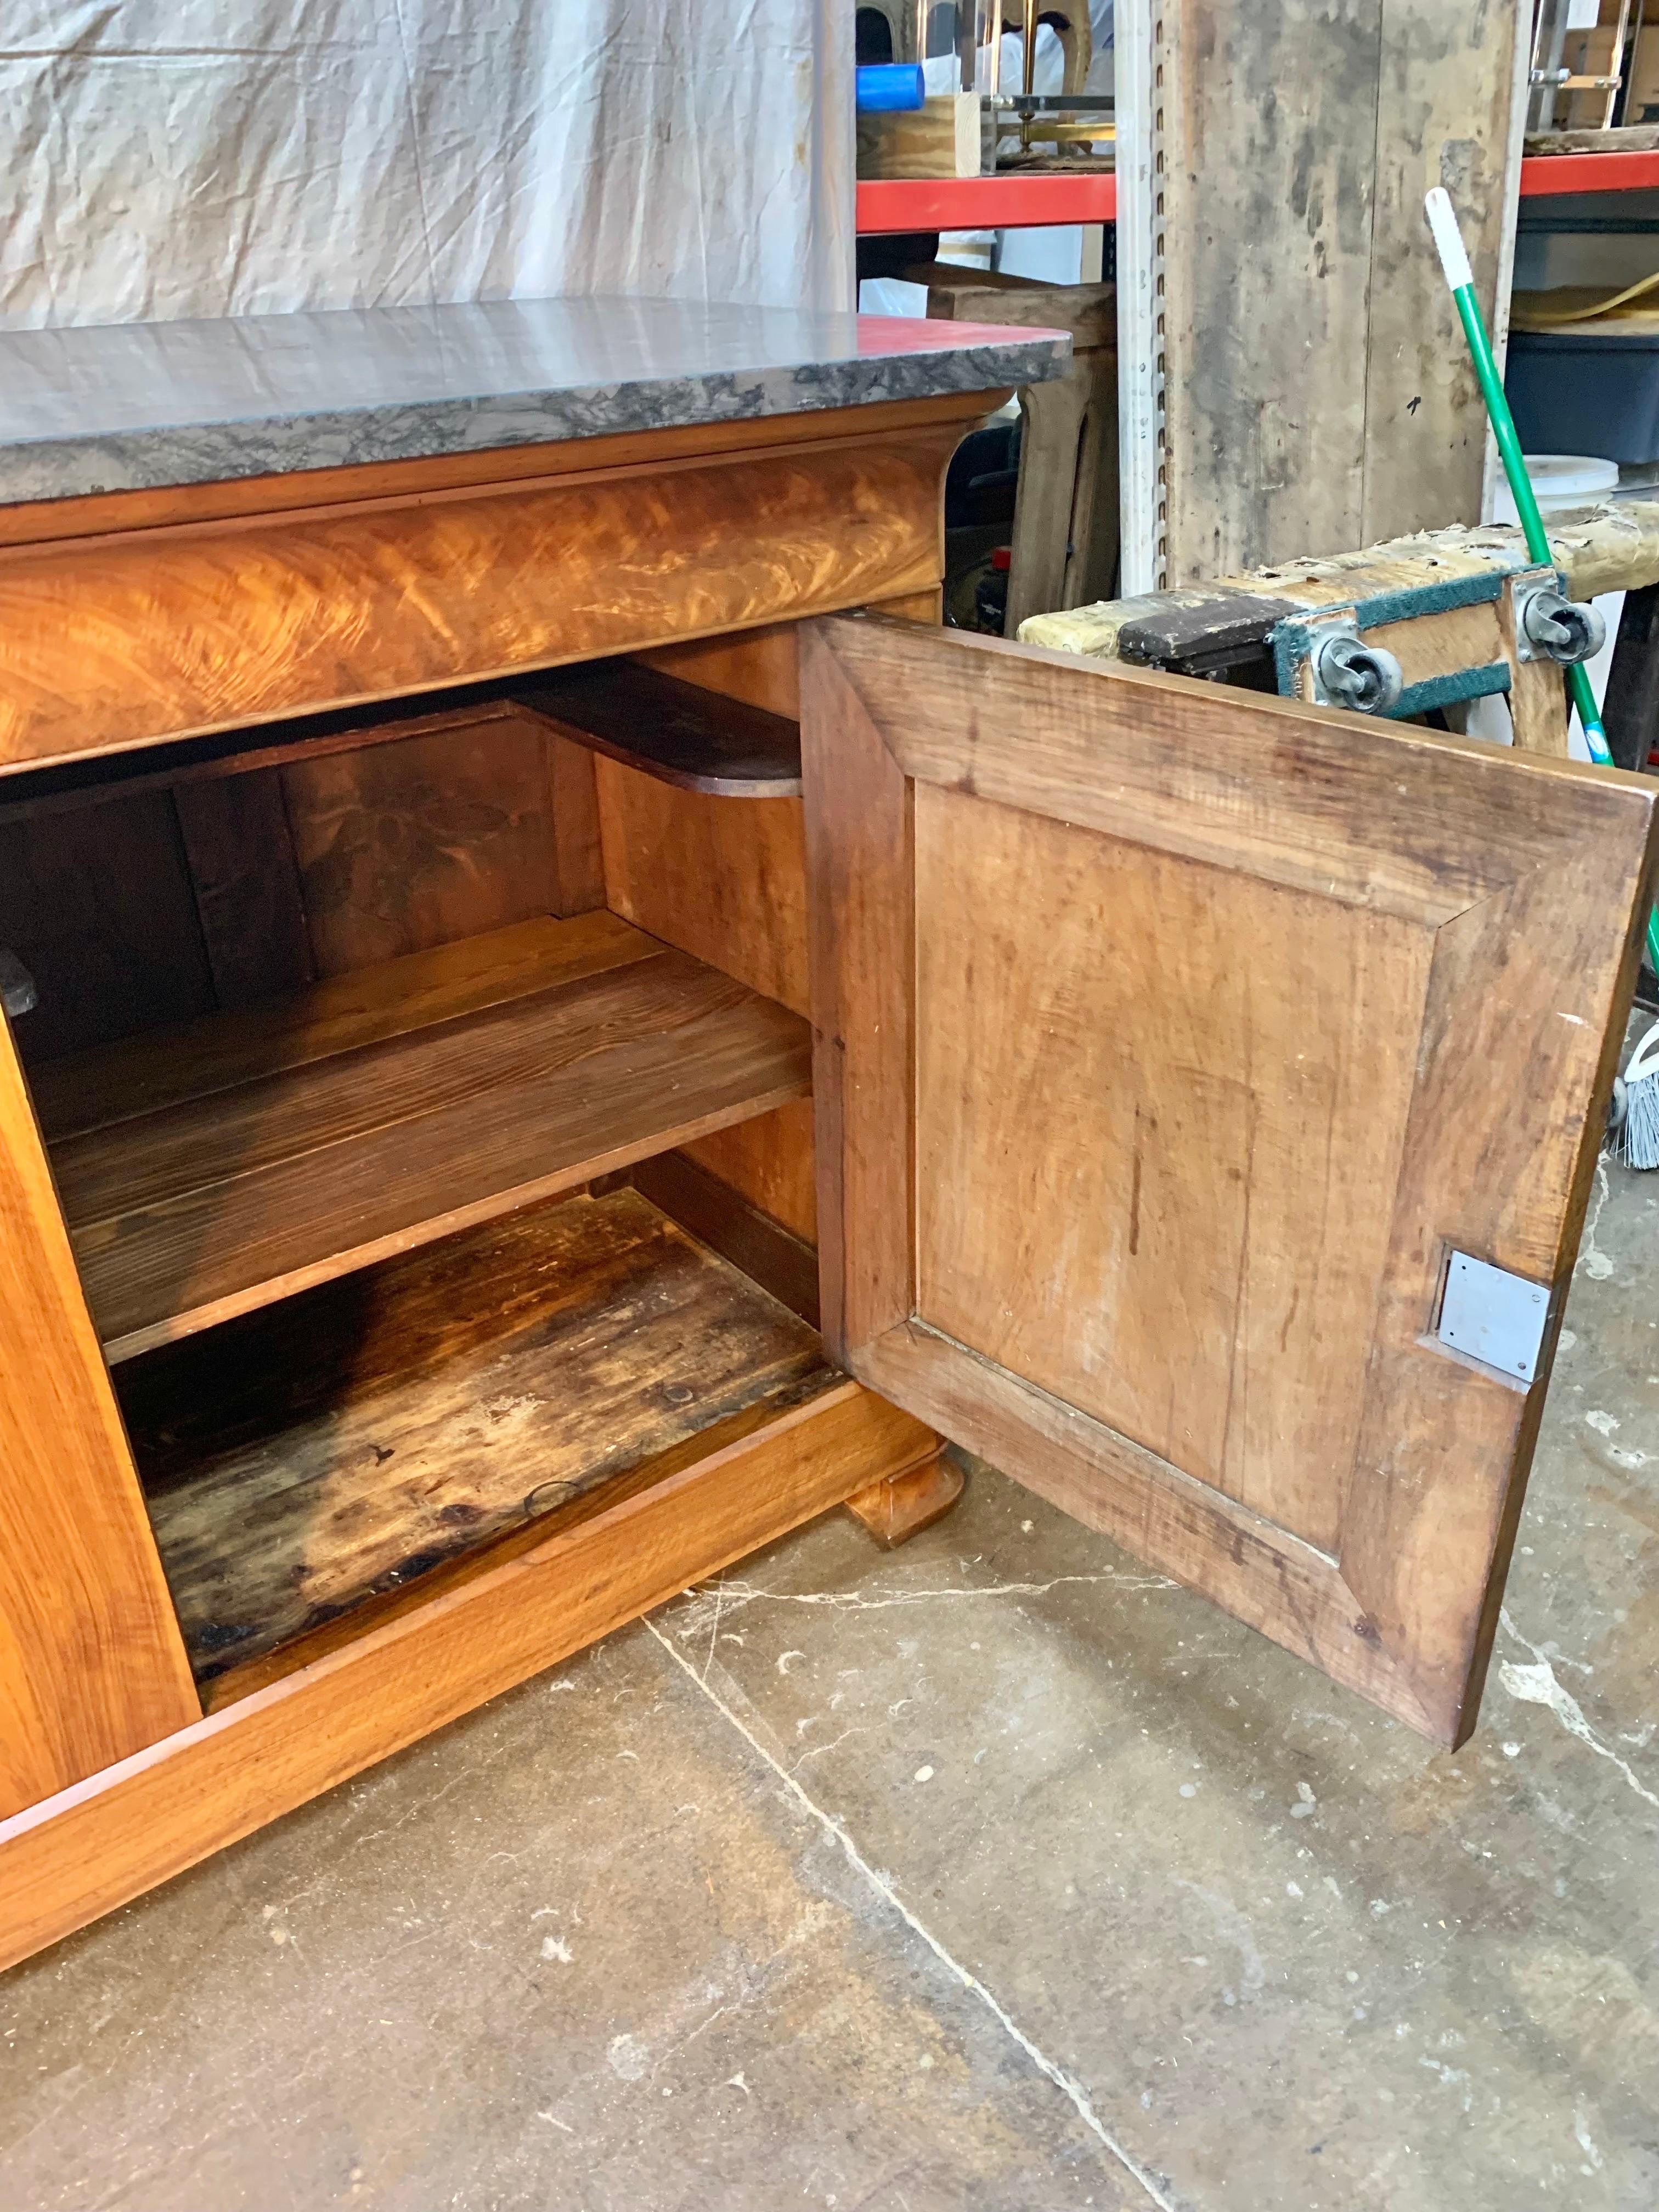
(244, 1156)
(322, 1456)
(676, 732)
(1007, 202)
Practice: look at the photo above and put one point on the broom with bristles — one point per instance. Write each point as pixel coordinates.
(1635, 1131)
(1634, 1125)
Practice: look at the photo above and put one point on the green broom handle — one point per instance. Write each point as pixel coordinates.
(1455, 261)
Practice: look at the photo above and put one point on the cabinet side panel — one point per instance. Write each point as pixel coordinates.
(723, 879)
(770, 1161)
(92, 1666)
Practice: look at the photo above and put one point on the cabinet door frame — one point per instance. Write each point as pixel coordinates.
(1532, 878)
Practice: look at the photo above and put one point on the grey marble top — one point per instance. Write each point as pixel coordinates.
(126, 406)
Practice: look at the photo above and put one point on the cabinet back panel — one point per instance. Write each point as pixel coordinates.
(98, 905)
(135, 907)
(407, 846)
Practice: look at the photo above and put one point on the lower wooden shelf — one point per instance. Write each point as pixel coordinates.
(245, 1156)
(306, 1462)
(101, 1841)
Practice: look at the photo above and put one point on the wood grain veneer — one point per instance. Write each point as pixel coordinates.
(118, 641)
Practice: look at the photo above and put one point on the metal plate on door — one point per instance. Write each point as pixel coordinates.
(1491, 1315)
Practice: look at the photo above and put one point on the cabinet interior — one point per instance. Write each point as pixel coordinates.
(353, 1036)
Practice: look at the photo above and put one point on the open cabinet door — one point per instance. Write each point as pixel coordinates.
(1175, 1046)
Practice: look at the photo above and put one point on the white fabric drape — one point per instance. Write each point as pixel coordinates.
(169, 158)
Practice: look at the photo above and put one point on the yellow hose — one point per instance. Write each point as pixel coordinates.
(1532, 318)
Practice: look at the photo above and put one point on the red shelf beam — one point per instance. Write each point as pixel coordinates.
(1016, 202)
(1546, 176)
(1023, 203)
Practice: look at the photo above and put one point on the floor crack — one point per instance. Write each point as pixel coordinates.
(1071, 2090)
(1537, 1686)
(733, 1595)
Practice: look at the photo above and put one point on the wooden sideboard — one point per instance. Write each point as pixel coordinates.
(477, 1166)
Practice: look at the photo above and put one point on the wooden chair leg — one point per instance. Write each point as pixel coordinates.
(895, 1509)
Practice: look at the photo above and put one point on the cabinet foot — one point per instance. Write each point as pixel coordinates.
(900, 1506)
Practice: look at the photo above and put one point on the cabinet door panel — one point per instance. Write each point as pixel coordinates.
(1170, 1042)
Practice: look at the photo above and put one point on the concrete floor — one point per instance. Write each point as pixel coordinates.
(996, 1874)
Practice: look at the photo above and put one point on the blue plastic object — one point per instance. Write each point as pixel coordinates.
(889, 87)
(1588, 392)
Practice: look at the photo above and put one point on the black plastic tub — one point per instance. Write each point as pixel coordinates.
(1588, 393)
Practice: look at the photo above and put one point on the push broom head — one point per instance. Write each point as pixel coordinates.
(1636, 1140)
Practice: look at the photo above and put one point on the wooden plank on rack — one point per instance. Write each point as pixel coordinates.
(1314, 375)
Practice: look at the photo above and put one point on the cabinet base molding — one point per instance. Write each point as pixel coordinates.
(97, 1845)
(901, 1506)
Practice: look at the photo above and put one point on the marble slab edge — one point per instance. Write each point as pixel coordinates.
(165, 455)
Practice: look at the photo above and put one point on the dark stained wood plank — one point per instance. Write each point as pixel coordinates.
(681, 732)
(242, 862)
(1227, 632)
(98, 906)
(725, 1221)
(770, 1161)
(186, 1216)
(349, 1442)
